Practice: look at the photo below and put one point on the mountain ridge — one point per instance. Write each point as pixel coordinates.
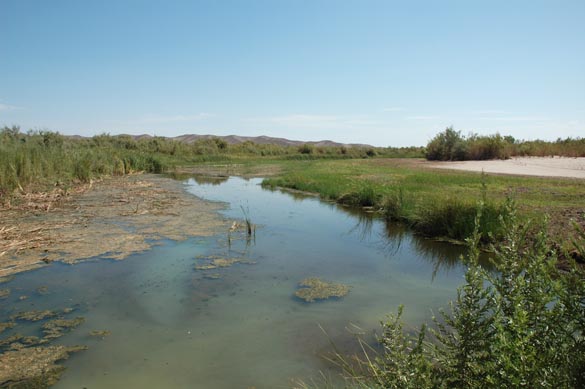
(262, 139)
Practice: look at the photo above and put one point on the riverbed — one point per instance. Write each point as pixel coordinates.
(170, 323)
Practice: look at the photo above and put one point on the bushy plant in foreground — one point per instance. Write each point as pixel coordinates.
(521, 326)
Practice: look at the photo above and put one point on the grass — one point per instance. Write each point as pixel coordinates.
(39, 159)
(435, 203)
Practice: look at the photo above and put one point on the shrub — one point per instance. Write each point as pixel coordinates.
(445, 146)
(521, 326)
(306, 149)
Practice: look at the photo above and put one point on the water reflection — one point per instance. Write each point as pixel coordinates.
(201, 179)
(444, 256)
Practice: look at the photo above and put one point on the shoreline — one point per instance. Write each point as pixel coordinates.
(112, 218)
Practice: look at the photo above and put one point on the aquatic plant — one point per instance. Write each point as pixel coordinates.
(212, 276)
(223, 262)
(56, 328)
(33, 315)
(6, 326)
(250, 228)
(313, 288)
(100, 333)
(34, 367)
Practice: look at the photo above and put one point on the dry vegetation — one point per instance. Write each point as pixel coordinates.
(111, 218)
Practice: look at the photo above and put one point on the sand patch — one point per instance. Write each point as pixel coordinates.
(524, 166)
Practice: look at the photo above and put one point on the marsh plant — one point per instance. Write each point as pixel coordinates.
(250, 227)
(520, 326)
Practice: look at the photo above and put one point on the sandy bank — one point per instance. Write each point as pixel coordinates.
(525, 166)
(113, 218)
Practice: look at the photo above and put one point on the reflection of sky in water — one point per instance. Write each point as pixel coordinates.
(172, 328)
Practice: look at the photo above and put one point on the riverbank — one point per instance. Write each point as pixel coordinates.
(110, 218)
(439, 203)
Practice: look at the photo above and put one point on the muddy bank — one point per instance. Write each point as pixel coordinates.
(113, 218)
(524, 166)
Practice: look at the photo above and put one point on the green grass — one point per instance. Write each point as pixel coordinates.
(435, 203)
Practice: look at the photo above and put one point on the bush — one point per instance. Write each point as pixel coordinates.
(522, 326)
(446, 146)
(450, 145)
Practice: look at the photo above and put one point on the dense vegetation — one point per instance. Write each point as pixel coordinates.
(450, 145)
(40, 158)
(521, 326)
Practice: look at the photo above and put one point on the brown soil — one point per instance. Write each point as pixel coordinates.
(112, 218)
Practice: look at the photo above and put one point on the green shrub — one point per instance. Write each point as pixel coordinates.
(519, 326)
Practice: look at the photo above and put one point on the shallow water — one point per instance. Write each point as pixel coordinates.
(170, 327)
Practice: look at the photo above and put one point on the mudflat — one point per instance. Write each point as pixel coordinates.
(112, 218)
(523, 166)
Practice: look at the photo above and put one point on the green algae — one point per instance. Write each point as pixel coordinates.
(56, 328)
(313, 288)
(6, 326)
(100, 333)
(4, 279)
(43, 290)
(33, 315)
(19, 342)
(4, 293)
(223, 262)
(212, 276)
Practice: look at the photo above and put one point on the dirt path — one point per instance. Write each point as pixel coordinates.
(113, 218)
(525, 166)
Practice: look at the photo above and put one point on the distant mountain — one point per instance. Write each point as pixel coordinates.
(264, 140)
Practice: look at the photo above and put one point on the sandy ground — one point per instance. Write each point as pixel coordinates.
(113, 218)
(524, 166)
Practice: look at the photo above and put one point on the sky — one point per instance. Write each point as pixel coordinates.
(386, 73)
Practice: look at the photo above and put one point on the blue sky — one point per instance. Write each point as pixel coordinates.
(379, 72)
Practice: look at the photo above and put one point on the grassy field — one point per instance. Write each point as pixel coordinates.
(435, 202)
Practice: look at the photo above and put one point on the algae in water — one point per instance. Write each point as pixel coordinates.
(58, 327)
(33, 315)
(34, 367)
(99, 333)
(314, 288)
(6, 326)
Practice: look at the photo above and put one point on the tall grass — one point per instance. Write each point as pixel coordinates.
(43, 157)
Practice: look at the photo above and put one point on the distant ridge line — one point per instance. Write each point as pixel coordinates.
(237, 139)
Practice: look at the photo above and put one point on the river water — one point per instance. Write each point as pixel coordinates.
(173, 328)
